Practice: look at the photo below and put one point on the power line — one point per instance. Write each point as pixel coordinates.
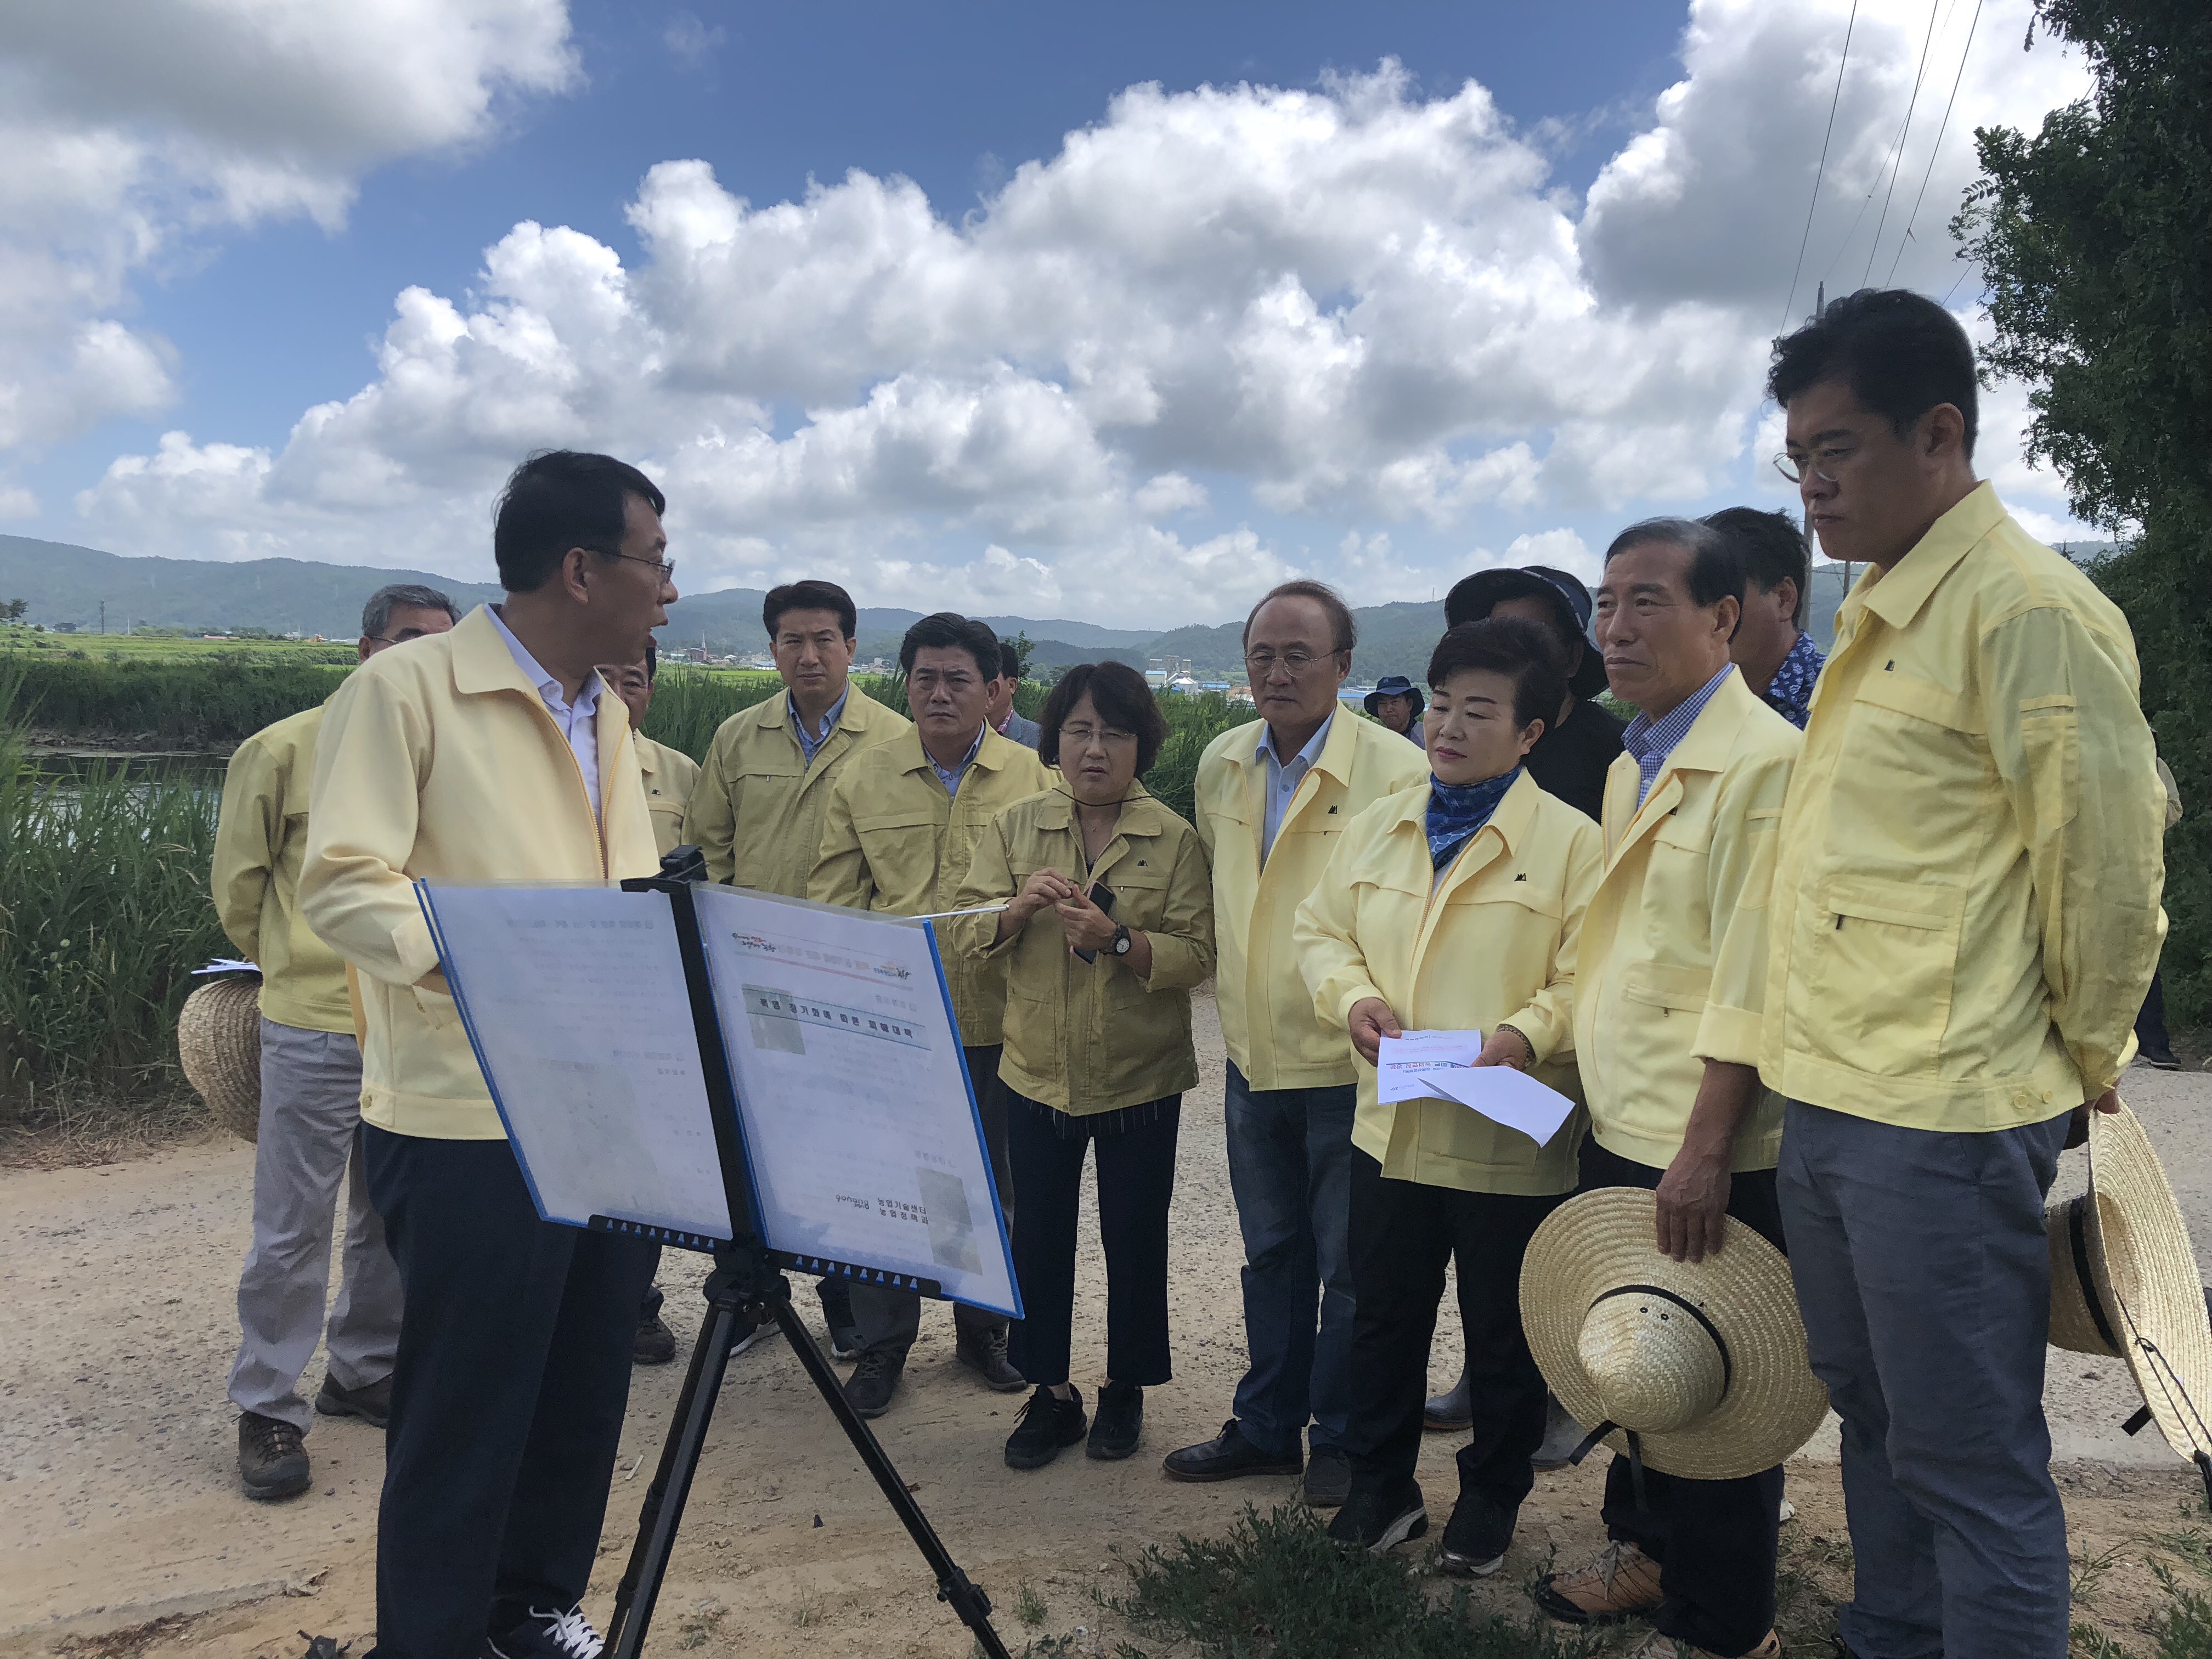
(1942, 128)
(1821, 171)
(1926, 41)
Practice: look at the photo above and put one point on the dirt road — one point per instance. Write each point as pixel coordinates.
(120, 1509)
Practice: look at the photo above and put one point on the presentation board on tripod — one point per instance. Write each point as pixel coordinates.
(862, 1144)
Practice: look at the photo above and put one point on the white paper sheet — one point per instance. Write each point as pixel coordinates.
(1399, 1061)
(865, 1142)
(1504, 1096)
(575, 999)
(227, 965)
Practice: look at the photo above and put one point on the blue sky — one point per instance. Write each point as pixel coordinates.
(1347, 321)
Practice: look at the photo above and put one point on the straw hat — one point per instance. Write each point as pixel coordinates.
(218, 1043)
(1704, 1363)
(2124, 1282)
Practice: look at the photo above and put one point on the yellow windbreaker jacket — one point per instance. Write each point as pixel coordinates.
(259, 842)
(1965, 911)
(1089, 1037)
(669, 776)
(894, 841)
(1672, 970)
(1493, 944)
(757, 811)
(438, 760)
(1267, 1017)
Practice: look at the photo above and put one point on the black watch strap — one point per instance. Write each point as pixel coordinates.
(1122, 938)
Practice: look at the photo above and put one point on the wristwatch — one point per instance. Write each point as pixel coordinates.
(1122, 938)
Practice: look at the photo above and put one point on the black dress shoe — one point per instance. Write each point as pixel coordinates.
(1120, 1420)
(1227, 1456)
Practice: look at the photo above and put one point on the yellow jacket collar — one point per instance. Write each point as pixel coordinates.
(1409, 809)
(481, 661)
(991, 754)
(1140, 813)
(1897, 595)
(1335, 757)
(776, 710)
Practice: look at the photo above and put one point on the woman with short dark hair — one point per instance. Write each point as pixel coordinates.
(1106, 918)
(1453, 908)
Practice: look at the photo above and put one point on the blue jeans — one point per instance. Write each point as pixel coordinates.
(1924, 1278)
(1290, 1166)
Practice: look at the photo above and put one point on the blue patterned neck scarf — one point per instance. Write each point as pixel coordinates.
(1456, 810)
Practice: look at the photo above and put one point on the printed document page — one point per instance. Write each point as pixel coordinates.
(575, 999)
(865, 1143)
(1504, 1096)
(1401, 1062)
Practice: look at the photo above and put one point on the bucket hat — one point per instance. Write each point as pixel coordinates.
(1393, 685)
(1695, 1368)
(1473, 598)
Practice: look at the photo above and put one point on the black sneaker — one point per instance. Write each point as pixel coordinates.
(2160, 1060)
(372, 1402)
(654, 1343)
(1048, 1425)
(875, 1380)
(747, 1332)
(272, 1458)
(1378, 1521)
(1475, 1539)
(1225, 1457)
(549, 1635)
(984, 1353)
(1329, 1477)
(1121, 1420)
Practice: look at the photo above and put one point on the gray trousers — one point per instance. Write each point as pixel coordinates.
(308, 1148)
(1924, 1280)
(890, 1318)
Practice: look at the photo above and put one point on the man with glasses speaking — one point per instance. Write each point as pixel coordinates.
(1271, 800)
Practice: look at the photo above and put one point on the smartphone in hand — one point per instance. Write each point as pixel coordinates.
(1101, 895)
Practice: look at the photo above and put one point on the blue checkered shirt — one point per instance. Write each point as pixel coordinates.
(1651, 741)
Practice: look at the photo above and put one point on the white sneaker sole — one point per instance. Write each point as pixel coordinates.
(760, 1334)
(1414, 1523)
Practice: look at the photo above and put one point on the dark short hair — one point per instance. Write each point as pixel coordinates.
(950, 631)
(1121, 698)
(1342, 628)
(1716, 565)
(809, 595)
(559, 499)
(1010, 661)
(1773, 547)
(376, 615)
(1900, 353)
(1512, 646)
(651, 658)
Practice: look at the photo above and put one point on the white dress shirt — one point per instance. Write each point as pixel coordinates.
(578, 720)
(1284, 778)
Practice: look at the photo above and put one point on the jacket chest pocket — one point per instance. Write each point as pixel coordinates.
(904, 842)
(1884, 956)
(1924, 751)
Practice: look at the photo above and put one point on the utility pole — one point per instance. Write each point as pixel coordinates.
(103, 616)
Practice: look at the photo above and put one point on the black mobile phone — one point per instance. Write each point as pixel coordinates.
(1103, 897)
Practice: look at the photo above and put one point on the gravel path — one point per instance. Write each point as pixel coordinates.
(118, 1501)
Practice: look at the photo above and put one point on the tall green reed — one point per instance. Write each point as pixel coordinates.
(177, 703)
(104, 913)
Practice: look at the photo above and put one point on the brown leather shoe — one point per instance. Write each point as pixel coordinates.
(1620, 1582)
(1656, 1646)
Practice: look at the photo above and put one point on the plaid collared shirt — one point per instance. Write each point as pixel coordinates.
(1651, 741)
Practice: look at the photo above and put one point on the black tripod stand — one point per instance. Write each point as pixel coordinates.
(743, 1279)
(748, 1279)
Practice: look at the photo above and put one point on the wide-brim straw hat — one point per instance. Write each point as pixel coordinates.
(218, 1044)
(1704, 1361)
(2124, 1283)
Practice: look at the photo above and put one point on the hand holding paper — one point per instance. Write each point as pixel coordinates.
(1400, 1061)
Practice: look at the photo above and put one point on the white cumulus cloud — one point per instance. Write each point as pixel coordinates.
(1350, 305)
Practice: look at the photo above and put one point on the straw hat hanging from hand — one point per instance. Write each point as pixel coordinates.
(1697, 1369)
(219, 1046)
(2125, 1283)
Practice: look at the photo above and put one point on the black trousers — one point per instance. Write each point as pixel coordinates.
(1402, 1234)
(506, 1401)
(1715, 1540)
(1136, 1179)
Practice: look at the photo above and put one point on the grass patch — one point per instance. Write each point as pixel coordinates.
(1276, 1588)
(1029, 1606)
(104, 913)
(180, 702)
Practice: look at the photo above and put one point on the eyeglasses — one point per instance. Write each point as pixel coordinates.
(666, 566)
(1082, 737)
(1821, 464)
(1294, 662)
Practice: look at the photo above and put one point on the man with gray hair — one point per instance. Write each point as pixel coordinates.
(310, 1102)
